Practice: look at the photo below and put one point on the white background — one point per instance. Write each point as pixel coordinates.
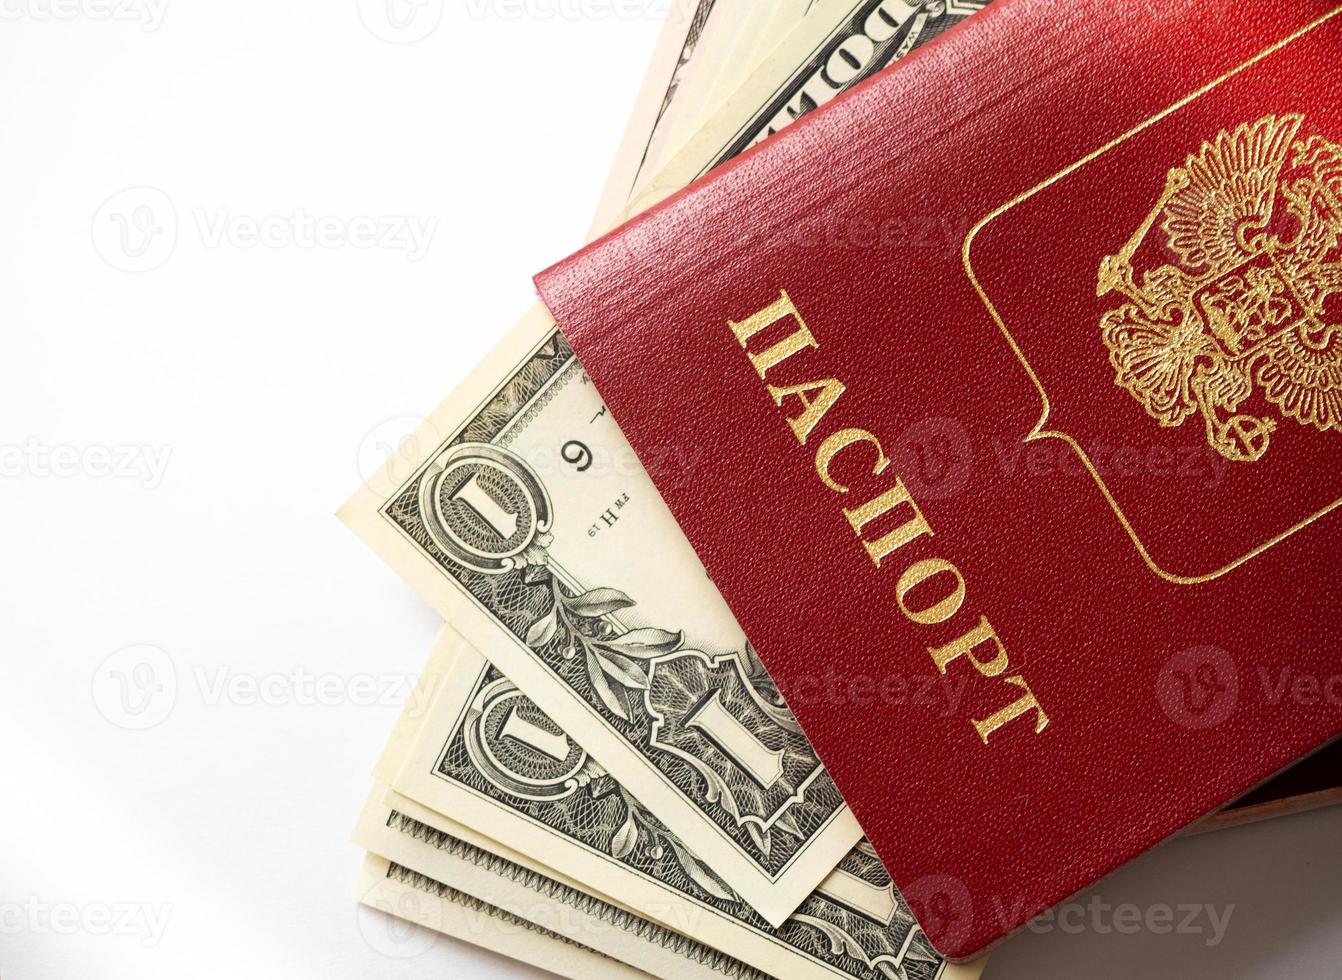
(175, 439)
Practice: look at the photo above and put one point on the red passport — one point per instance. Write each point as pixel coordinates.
(1018, 369)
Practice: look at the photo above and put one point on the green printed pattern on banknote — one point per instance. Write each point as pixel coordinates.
(503, 749)
(561, 895)
(711, 723)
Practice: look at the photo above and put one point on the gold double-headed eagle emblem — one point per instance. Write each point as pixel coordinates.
(1254, 219)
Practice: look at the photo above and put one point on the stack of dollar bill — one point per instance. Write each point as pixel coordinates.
(595, 773)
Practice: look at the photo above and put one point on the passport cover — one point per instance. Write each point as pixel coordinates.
(1018, 369)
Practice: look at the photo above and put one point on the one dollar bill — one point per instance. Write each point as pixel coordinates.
(839, 44)
(394, 890)
(678, 49)
(487, 761)
(518, 887)
(523, 515)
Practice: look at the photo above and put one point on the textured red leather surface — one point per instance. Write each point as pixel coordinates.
(1168, 593)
